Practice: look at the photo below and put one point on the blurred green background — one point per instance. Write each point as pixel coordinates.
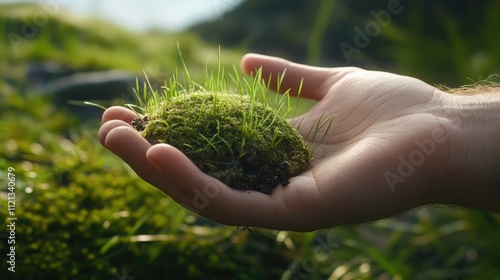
(83, 214)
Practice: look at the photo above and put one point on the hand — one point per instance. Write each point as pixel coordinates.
(390, 148)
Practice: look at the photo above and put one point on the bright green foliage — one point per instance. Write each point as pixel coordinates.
(243, 143)
(82, 214)
(232, 131)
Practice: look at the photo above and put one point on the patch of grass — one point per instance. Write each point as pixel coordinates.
(231, 130)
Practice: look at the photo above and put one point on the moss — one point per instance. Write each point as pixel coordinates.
(232, 137)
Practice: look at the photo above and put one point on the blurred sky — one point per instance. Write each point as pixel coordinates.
(140, 15)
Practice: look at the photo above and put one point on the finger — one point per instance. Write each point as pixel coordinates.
(124, 141)
(313, 78)
(131, 147)
(118, 113)
(212, 199)
(107, 127)
(168, 169)
(194, 187)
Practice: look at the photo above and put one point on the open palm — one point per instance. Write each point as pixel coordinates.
(385, 150)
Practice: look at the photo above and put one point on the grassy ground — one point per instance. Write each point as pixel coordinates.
(83, 214)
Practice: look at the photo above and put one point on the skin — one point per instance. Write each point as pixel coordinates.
(378, 118)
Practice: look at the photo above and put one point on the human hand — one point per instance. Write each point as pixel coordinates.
(389, 149)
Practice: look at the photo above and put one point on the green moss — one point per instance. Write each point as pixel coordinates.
(232, 137)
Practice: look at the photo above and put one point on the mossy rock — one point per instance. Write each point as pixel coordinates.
(242, 142)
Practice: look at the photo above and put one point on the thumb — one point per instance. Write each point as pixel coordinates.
(308, 79)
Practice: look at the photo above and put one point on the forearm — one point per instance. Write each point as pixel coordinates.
(475, 146)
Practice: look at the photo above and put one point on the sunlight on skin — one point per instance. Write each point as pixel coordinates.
(378, 118)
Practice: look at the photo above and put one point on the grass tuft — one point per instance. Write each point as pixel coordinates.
(229, 126)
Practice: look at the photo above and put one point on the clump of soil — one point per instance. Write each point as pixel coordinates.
(241, 142)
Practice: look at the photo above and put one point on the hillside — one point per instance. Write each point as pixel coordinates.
(438, 41)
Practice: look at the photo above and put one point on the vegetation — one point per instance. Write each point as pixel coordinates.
(232, 132)
(436, 41)
(83, 214)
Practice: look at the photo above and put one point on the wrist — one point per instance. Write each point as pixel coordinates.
(475, 150)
